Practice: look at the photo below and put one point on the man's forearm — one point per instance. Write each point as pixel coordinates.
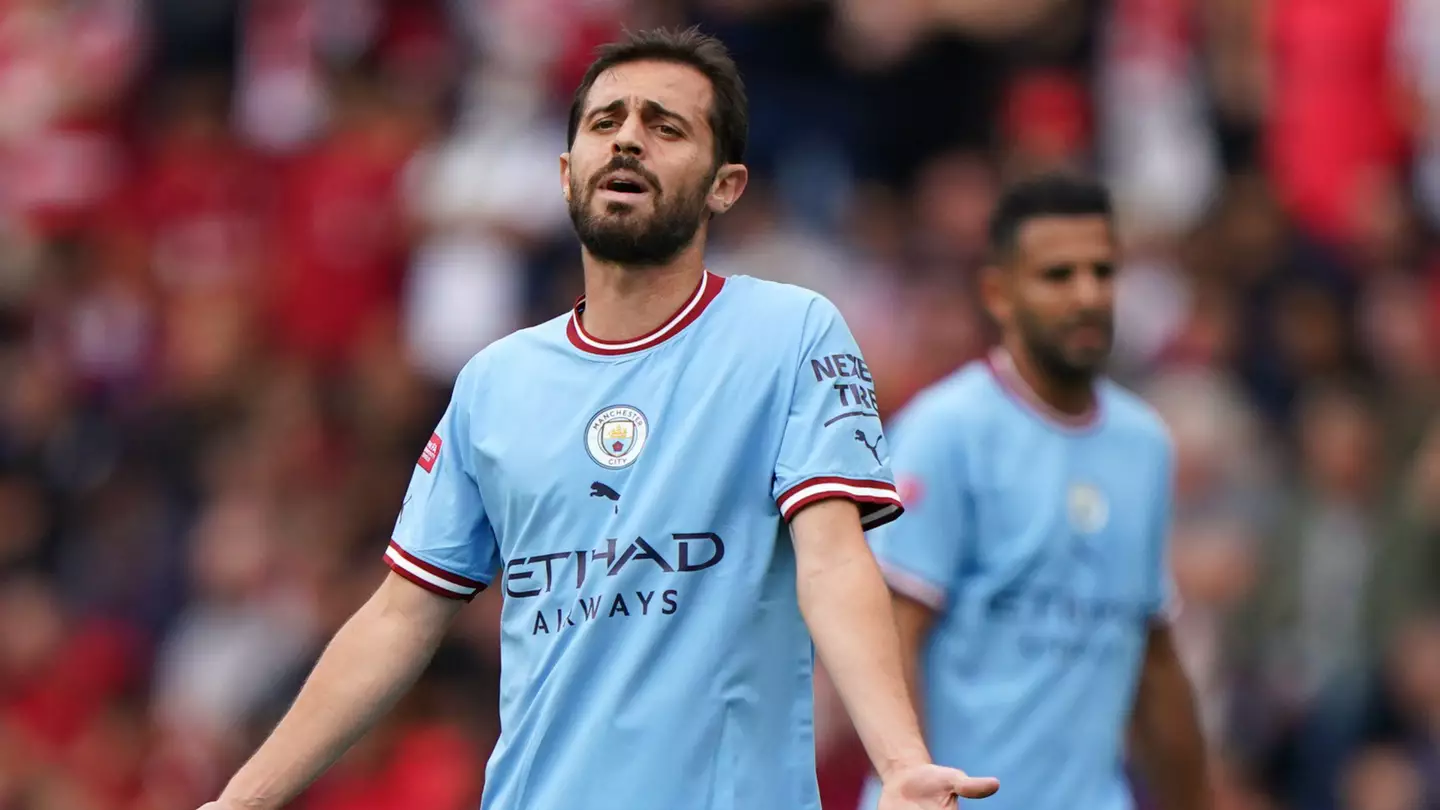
(374, 658)
(847, 608)
(1170, 746)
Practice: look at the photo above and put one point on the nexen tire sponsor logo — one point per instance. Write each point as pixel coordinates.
(567, 571)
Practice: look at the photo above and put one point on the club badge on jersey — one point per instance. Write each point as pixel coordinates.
(1089, 511)
(616, 436)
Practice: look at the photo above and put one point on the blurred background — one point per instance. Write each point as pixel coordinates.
(245, 246)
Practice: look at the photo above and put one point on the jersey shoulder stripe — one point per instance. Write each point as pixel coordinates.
(878, 500)
(430, 577)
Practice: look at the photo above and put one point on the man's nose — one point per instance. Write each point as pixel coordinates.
(629, 138)
(1092, 290)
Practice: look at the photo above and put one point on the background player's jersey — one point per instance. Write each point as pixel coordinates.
(1040, 542)
(631, 500)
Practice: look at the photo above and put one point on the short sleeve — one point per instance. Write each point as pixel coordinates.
(1163, 600)
(443, 540)
(921, 554)
(833, 445)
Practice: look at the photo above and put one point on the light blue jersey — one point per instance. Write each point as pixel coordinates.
(1040, 543)
(631, 499)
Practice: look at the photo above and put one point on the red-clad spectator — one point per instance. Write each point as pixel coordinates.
(192, 224)
(198, 204)
(55, 678)
(340, 233)
(1334, 131)
(63, 69)
(429, 765)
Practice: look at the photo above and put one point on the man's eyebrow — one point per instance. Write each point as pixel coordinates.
(654, 109)
(650, 110)
(614, 106)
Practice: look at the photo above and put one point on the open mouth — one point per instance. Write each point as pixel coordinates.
(1090, 334)
(625, 184)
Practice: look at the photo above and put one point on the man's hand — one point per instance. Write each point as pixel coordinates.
(932, 787)
(223, 803)
(847, 607)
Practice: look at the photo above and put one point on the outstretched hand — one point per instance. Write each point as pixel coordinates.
(933, 787)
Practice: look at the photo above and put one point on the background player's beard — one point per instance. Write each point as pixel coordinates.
(1044, 345)
(637, 241)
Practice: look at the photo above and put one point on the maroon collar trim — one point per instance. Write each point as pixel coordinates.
(705, 292)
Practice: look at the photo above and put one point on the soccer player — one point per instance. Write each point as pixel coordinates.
(670, 483)
(1029, 574)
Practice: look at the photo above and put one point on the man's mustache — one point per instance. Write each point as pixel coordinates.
(1098, 320)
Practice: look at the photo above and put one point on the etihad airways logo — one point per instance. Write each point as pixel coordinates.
(568, 572)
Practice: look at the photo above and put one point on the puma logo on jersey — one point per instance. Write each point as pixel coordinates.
(599, 490)
(873, 448)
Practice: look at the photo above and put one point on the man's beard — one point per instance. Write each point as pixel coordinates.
(635, 240)
(1046, 349)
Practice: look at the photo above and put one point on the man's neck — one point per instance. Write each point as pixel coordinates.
(1071, 399)
(623, 303)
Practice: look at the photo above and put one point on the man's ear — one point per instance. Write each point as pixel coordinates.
(996, 292)
(565, 175)
(730, 182)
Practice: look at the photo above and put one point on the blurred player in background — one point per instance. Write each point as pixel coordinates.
(1030, 573)
(671, 483)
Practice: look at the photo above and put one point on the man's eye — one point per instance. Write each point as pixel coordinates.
(669, 131)
(604, 123)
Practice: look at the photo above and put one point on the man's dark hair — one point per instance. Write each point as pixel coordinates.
(729, 111)
(1046, 195)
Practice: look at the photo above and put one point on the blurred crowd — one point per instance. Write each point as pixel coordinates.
(244, 248)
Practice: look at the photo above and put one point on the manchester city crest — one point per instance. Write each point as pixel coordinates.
(615, 436)
(1089, 511)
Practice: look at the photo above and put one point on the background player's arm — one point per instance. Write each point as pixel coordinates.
(1169, 744)
(373, 659)
(1165, 729)
(847, 608)
(913, 620)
